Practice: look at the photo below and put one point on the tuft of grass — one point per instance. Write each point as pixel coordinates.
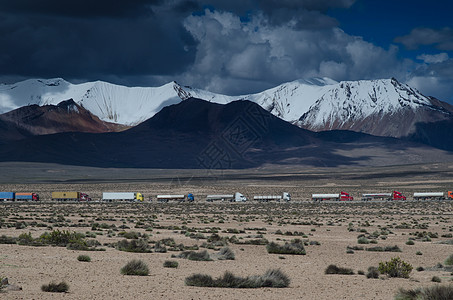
(139, 246)
(135, 267)
(333, 269)
(372, 273)
(395, 268)
(61, 238)
(226, 254)
(197, 256)
(449, 260)
(296, 247)
(83, 257)
(436, 279)
(53, 287)
(384, 249)
(436, 292)
(171, 264)
(160, 247)
(363, 240)
(272, 278)
(3, 283)
(7, 239)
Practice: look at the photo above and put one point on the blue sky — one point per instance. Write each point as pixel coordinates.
(379, 22)
(231, 47)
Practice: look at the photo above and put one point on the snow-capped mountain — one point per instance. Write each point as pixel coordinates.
(133, 105)
(109, 102)
(379, 107)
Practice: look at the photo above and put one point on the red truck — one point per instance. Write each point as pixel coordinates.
(342, 196)
(395, 195)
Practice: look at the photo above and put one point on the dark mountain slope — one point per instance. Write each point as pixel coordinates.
(202, 135)
(67, 116)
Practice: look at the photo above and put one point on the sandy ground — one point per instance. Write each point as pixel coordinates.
(328, 224)
(30, 267)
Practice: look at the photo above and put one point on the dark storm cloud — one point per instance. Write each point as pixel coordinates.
(78, 9)
(442, 39)
(92, 39)
(117, 39)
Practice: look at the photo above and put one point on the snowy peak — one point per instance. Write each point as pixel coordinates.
(377, 107)
(316, 104)
(109, 102)
(350, 101)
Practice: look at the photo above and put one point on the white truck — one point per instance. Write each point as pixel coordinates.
(236, 197)
(342, 196)
(266, 198)
(180, 198)
(433, 196)
(122, 196)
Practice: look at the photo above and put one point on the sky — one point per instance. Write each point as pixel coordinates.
(230, 47)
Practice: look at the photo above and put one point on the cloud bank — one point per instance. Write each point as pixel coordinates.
(232, 47)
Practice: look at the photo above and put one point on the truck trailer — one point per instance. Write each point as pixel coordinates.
(7, 196)
(11, 196)
(236, 197)
(395, 195)
(70, 196)
(122, 196)
(266, 198)
(342, 196)
(180, 198)
(433, 196)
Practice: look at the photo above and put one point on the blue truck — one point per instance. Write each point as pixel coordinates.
(12, 196)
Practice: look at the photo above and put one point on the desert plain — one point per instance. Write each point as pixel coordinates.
(330, 232)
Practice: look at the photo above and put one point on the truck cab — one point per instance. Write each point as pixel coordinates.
(286, 197)
(190, 197)
(238, 197)
(345, 197)
(398, 196)
(139, 197)
(84, 197)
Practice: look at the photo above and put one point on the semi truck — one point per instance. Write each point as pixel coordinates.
(236, 197)
(433, 196)
(122, 196)
(266, 198)
(12, 196)
(180, 198)
(70, 196)
(342, 196)
(395, 195)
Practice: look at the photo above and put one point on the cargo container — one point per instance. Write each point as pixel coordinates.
(383, 196)
(342, 196)
(236, 197)
(122, 196)
(6, 196)
(266, 198)
(70, 196)
(433, 196)
(27, 196)
(180, 198)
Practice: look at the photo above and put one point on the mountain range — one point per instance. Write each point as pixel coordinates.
(348, 112)
(197, 134)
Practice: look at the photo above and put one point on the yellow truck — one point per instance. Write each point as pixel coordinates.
(122, 196)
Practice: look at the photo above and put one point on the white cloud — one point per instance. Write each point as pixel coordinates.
(433, 86)
(258, 51)
(441, 38)
(436, 58)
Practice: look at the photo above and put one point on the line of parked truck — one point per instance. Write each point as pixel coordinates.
(235, 197)
(393, 196)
